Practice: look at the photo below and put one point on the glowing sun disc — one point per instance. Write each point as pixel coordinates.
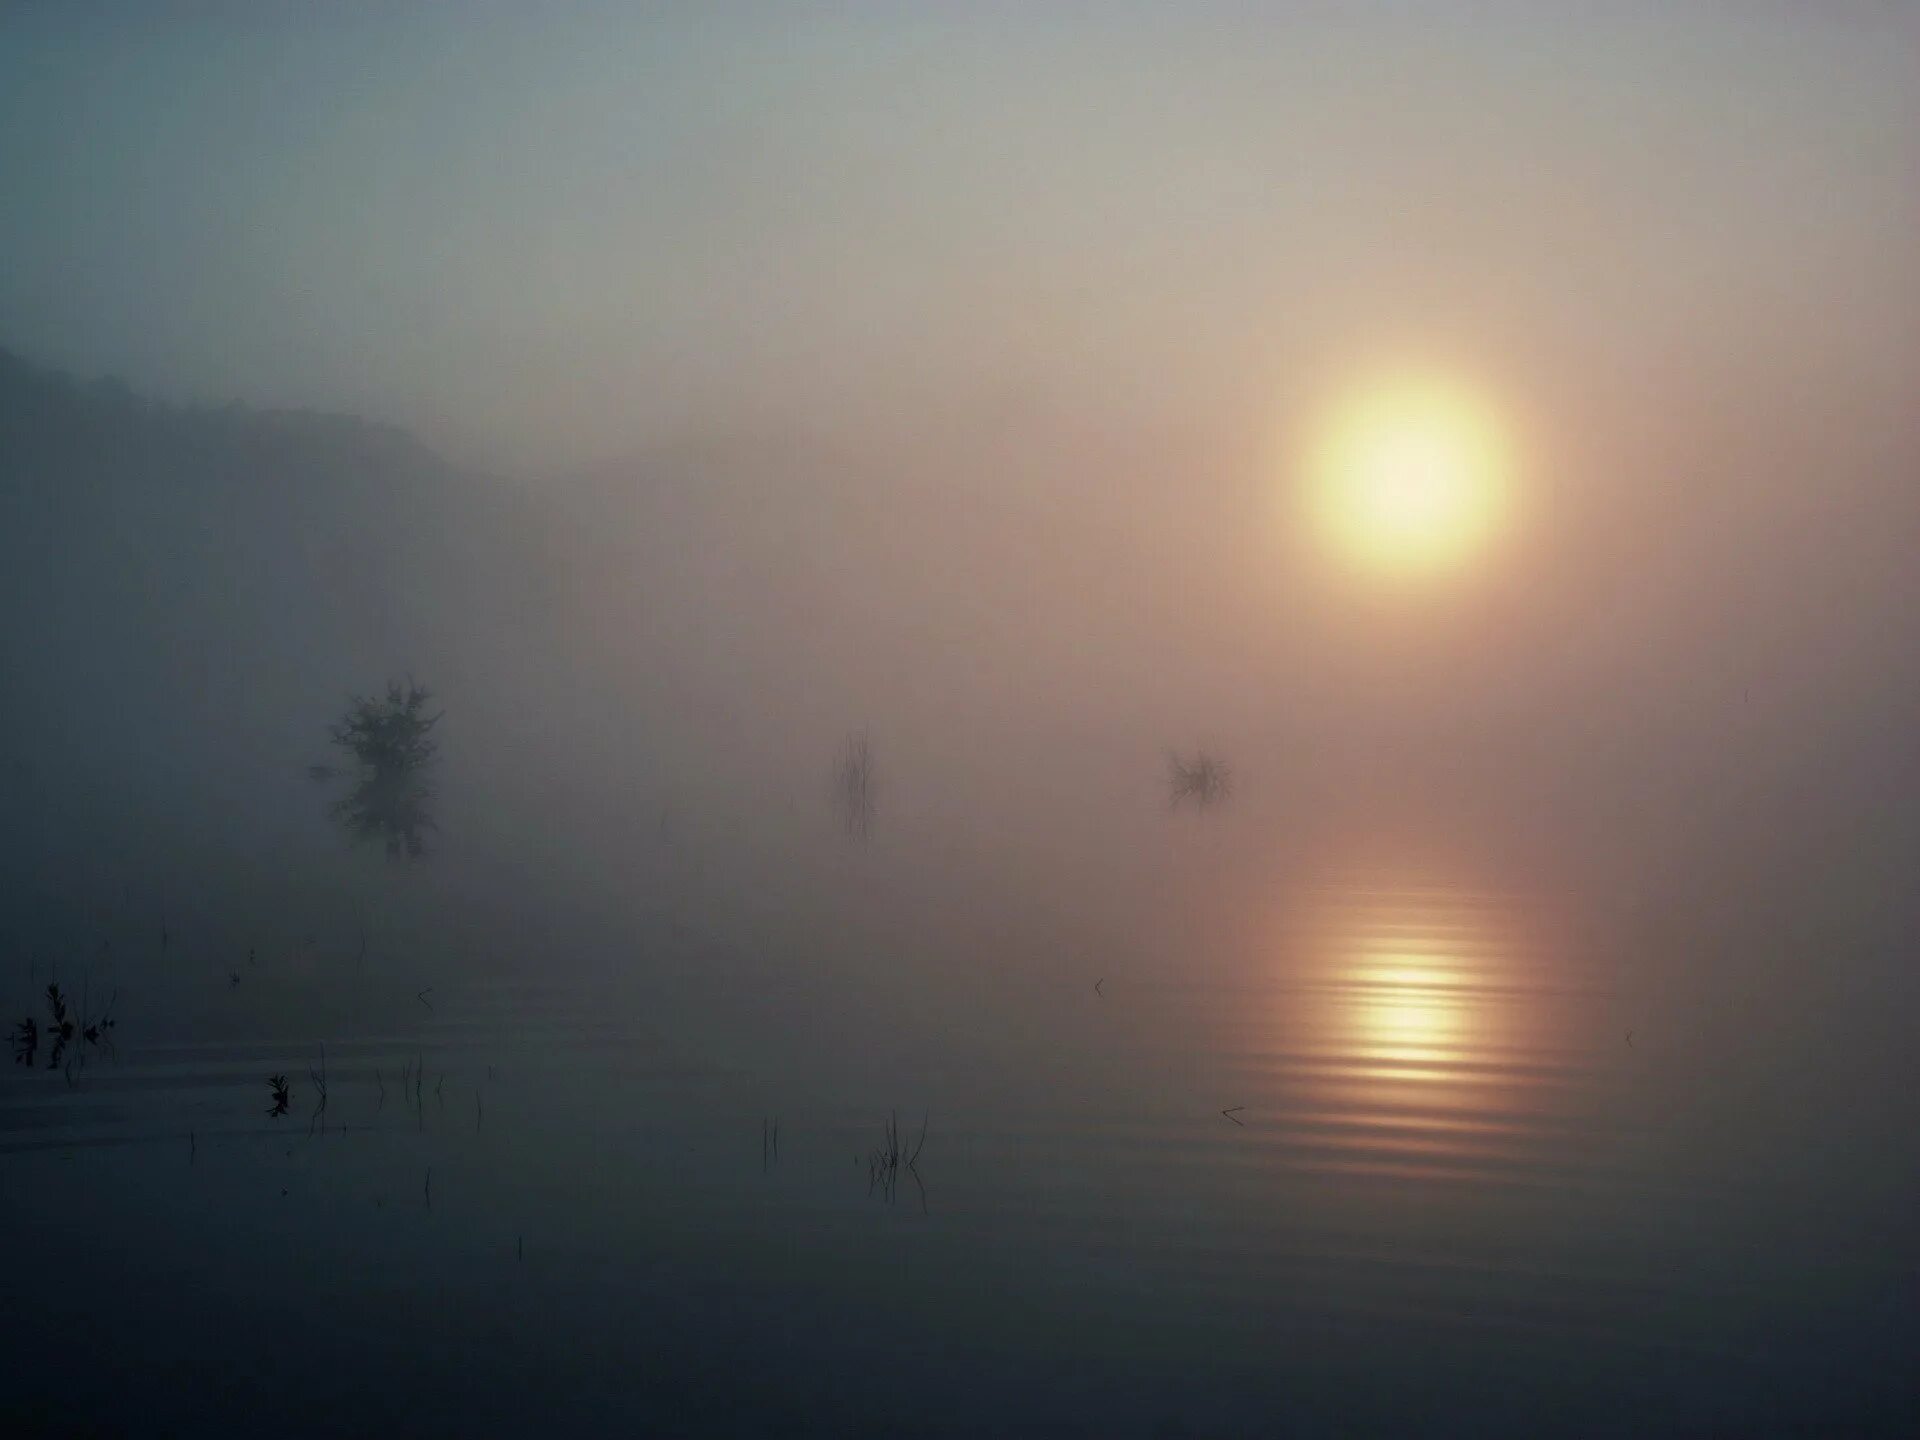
(1409, 476)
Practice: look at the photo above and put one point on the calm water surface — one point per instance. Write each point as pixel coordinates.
(1397, 1157)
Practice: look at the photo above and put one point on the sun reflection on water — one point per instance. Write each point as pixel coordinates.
(1403, 1009)
(1412, 1007)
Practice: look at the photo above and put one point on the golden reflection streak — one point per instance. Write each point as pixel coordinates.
(1402, 1010)
(1414, 989)
(1428, 1033)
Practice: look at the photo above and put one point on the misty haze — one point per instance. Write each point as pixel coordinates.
(730, 720)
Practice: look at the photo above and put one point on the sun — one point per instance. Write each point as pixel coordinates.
(1410, 475)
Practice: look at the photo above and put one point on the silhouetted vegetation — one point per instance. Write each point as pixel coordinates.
(1205, 780)
(892, 1156)
(319, 1079)
(412, 1080)
(26, 1041)
(62, 1029)
(854, 786)
(390, 739)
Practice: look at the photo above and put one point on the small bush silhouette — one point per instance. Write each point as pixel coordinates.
(1205, 780)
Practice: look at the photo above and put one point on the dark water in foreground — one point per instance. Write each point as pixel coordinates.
(1490, 1163)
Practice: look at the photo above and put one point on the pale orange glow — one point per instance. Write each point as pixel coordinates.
(1427, 1029)
(1414, 989)
(1409, 475)
(1403, 1009)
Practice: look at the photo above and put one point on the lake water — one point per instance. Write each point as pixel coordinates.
(1383, 1154)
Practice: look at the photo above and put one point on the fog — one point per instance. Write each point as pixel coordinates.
(1697, 652)
(684, 395)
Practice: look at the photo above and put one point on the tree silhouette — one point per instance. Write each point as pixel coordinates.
(390, 740)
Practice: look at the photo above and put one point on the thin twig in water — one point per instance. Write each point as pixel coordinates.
(1229, 1113)
(421, 996)
(854, 786)
(319, 1079)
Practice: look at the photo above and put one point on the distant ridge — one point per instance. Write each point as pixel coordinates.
(50, 397)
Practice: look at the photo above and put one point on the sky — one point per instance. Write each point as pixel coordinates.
(548, 237)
